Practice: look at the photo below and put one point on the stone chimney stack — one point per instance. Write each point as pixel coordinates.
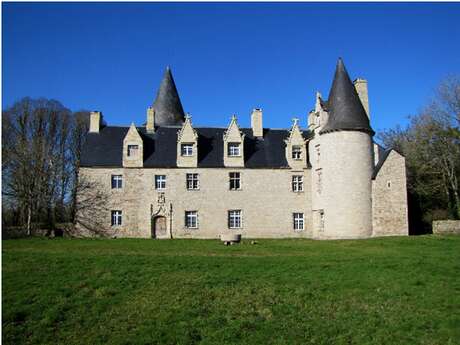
(95, 120)
(150, 127)
(256, 123)
(361, 89)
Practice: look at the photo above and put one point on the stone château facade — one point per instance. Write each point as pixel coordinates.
(169, 179)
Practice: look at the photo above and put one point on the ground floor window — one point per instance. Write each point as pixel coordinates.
(298, 221)
(116, 217)
(191, 219)
(234, 219)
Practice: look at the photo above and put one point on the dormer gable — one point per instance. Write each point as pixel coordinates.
(233, 145)
(133, 150)
(187, 145)
(296, 148)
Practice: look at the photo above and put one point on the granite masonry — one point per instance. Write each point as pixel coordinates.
(169, 179)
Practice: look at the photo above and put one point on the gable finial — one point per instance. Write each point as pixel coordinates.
(295, 121)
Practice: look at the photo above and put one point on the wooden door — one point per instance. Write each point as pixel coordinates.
(159, 227)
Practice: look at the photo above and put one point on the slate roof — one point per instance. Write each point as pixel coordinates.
(104, 149)
(167, 105)
(346, 111)
(382, 158)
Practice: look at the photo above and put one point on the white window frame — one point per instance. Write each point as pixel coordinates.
(192, 181)
(298, 221)
(297, 183)
(130, 148)
(234, 149)
(116, 217)
(235, 219)
(186, 149)
(296, 152)
(191, 219)
(160, 182)
(118, 179)
(236, 178)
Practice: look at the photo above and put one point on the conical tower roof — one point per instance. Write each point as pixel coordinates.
(346, 111)
(167, 106)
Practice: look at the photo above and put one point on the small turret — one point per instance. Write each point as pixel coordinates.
(167, 106)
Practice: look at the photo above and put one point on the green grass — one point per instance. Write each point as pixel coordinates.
(377, 291)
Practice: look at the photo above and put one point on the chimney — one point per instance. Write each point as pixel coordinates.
(150, 128)
(361, 89)
(256, 123)
(95, 120)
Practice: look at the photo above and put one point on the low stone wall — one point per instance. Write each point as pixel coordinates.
(446, 227)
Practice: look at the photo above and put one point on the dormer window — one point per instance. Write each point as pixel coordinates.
(133, 150)
(297, 152)
(234, 149)
(186, 149)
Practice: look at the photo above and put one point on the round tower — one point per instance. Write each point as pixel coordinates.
(346, 163)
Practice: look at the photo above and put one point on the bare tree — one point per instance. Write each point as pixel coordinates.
(36, 149)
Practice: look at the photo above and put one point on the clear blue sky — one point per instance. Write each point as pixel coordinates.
(227, 57)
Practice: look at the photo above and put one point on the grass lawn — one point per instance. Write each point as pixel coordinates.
(127, 291)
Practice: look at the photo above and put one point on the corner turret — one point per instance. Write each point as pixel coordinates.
(341, 158)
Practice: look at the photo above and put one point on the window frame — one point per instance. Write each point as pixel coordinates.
(194, 179)
(231, 152)
(131, 146)
(116, 217)
(116, 181)
(190, 215)
(297, 151)
(160, 182)
(186, 149)
(235, 219)
(235, 180)
(298, 219)
(297, 183)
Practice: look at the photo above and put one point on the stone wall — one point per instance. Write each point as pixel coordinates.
(266, 200)
(345, 184)
(389, 198)
(443, 227)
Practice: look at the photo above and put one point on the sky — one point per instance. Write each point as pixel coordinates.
(227, 58)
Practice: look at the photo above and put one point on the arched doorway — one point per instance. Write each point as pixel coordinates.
(159, 227)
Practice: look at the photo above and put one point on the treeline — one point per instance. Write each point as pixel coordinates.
(431, 145)
(42, 142)
(41, 149)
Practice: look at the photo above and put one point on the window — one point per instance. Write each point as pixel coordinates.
(234, 219)
(235, 181)
(193, 181)
(318, 153)
(233, 149)
(186, 149)
(191, 219)
(117, 181)
(160, 182)
(298, 221)
(321, 220)
(388, 184)
(132, 150)
(116, 218)
(297, 183)
(319, 183)
(297, 152)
